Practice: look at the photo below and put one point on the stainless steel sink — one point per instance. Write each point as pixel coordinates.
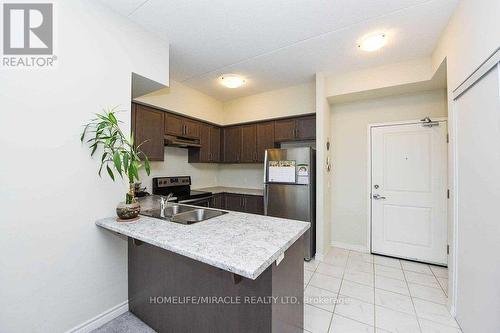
(196, 215)
(183, 214)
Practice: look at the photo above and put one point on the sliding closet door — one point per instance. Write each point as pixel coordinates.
(477, 115)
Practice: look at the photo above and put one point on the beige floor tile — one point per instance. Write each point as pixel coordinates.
(394, 301)
(356, 310)
(320, 298)
(316, 320)
(390, 272)
(327, 269)
(359, 277)
(434, 312)
(357, 290)
(345, 325)
(423, 279)
(325, 281)
(428, 293)
(395, 321)
(393, 285)
(438, 271)
(416, 267)
(386, 261)
(428, 326)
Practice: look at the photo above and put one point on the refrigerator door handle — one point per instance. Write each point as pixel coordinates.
(266, 199)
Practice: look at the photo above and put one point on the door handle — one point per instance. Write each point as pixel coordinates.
(378, 197)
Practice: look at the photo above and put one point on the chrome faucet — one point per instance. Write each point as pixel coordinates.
(163, 203)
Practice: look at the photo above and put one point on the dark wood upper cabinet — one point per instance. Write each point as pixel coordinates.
(147, 126)
(244, 143)
(215, 143)
(181, 126)
(232, 144)
(284, 130)
(174, 125)
(306, 128)
(210, 145)
(300, 128)
(248, 144)
(204, 134)
(265, 139)
(192, 128)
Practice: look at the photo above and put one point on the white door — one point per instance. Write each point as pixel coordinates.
(409, 192)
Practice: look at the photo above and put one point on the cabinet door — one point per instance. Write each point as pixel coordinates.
(191, 129)
(214, 144)
(248, 144)
(148, 126)
(234, 202)
(254, 204)
(265, 139)
(218, 201)
(174, 125)
(232, 144)
(204, 134)
(284, 130)
(306, 128)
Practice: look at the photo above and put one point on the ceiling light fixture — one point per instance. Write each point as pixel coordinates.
(232, 80)
(373, 42)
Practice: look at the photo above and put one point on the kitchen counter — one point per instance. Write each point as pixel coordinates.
(244, 244)
(236, 190)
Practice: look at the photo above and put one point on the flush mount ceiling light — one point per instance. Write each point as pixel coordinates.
(373, 42)
(232, 80)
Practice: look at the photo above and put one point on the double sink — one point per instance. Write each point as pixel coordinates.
(183, 214)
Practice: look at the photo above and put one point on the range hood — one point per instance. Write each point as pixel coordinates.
(177, 141)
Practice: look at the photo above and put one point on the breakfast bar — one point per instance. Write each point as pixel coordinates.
(236, 272)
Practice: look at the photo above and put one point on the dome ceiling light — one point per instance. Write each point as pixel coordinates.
(232, 81)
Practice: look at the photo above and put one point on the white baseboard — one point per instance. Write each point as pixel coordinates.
(347, 246)
(101, 319)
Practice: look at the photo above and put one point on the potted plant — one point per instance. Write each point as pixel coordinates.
(119, 156)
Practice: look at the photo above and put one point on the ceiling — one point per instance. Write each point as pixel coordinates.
(280, 43)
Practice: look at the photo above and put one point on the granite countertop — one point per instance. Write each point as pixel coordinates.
(236, 190)
(244, 244)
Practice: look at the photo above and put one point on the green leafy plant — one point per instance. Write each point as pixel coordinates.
(119, 154)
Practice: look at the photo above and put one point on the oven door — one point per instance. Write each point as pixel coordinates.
(200, 202)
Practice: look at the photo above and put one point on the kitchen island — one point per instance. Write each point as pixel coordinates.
(225, 274)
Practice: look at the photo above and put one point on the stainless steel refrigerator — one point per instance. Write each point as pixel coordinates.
(290, 188)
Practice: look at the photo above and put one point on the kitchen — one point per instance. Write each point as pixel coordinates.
(329, 166)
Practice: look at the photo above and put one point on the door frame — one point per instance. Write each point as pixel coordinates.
(369, 171)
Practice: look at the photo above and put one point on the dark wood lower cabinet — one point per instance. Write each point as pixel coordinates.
(166, 290)
(234, 202)
(252, 204)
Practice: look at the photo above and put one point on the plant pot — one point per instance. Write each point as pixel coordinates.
(127, 212)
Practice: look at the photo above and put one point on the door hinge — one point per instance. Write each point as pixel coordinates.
(448, 193)
(448, 249)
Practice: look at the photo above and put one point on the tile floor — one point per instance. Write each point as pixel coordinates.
(351, 292)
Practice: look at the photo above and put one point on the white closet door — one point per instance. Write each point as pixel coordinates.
(477, 119)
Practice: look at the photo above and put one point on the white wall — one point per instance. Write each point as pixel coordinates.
(323, 188)
(349, 123)
(290, 101)
(57, 268)
(183, 99)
